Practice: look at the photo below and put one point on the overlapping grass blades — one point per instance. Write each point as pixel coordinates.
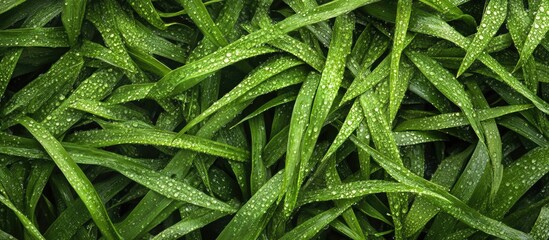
(264, 119)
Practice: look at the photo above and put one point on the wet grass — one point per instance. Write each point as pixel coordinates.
(258, 119)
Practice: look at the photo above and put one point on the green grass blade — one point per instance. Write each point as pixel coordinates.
(298, 125)
(264, 72)
(493, 139)
(36, 93)
(7, 65)
(538, 30)
(449, 120)
(422, 210)
(539, 230)
(332, 76)
(182, 78)
(253, 211)
(200, 16)
(312, 226)
(494, 15)
(75, 176)
(9, 4)
(449, 86)
(259, 172)
(67, 223)
(52, 37)
(404, 10)
(146, 10)
(457, 208)
(39, 175)
(72, 17)
(185, 226)
(29, 226)
(384, 141)
(517, 180)
(109, 137)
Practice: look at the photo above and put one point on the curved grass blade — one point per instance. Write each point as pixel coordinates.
(9, 4)
(146, 10)
(449, 86)
(350, 124)
(67, 223)
(354, 190)
(365, 80)
(111, 112)
(29, 226)
(312, 226)
(539, 230)
(35, 94)
(538, 30)
(75, 176)
(301, 114)
(52, 37)
(109, 137)
(72, 17)
(276, 101)
(493, 17)
(137, 170)
(37, 180)
(330, 81)
(252, 213)
(417, 137)
(188, 225)
(97, 51)
(182, 78)
(522, 127)
(95, 87)
(199, 14)
(493, 139)
(264, 72)
(384, 141)
(7, 65)
(422, 210)
(404, 10)
(517, 179)
(431, 25)
(450, 120)
(155, 181)
(445, 200)
(259, 172)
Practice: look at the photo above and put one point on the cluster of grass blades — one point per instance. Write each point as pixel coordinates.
(262, 119)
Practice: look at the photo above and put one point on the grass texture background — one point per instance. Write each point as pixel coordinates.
(269, 119)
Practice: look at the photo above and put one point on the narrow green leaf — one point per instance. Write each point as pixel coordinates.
(53, 37)
(109, 137)
(449, 120)
(75, 176)
(404, 10)
(517, 179)
(494, 15)
(264, 72)
(298, 125)
(253, 211)
(146, 10)
(9, 4)
(457, 208)
(539, 230)
(72, 17)
(259, 173)
(29, 226)
(449, 86)
(538, 30)
(185, 226)
(330, 81)
(312, 226)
